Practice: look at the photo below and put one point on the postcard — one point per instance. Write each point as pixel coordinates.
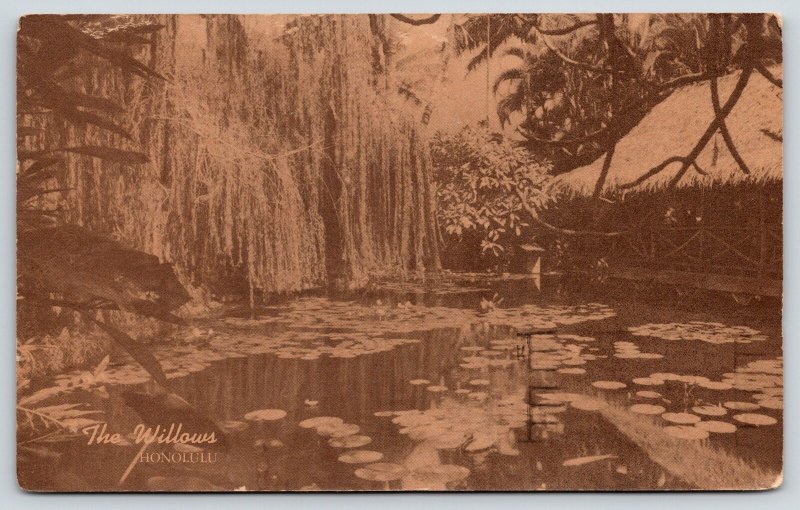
(399, 252)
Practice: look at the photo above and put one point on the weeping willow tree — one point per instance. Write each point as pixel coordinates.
(277, 162)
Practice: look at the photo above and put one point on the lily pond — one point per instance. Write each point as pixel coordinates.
(430, 388)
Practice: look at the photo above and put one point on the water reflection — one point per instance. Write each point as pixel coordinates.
(463, 425)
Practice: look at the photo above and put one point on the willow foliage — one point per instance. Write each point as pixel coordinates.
(276, 163)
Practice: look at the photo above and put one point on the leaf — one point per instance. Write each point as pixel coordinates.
(101, 367)
(81, 117)
(38, 165)
(138, 352)
(110, 154)
(88, 101)
(87, 268)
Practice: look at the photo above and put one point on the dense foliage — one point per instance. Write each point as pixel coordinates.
(477, 175)
(578, 83)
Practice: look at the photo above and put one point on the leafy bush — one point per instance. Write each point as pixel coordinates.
(477, 176)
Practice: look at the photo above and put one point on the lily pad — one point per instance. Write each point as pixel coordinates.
(352, 441)
(572, 371)
(233, 426)
(381, 472)
(341, 430)
(360, 457)
(588, 404)
(648, 381)
(648, 394)
(742, 406)
(317, 421)
(755, 419)
(709, 410)
(265, 415)
(681, 418)
(609, 385)
(649, 409)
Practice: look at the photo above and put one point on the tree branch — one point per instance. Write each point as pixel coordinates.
(616, 129)
(598, 187)
(769, 76)
(571, 61)
(653, 171)
(567, 30)
(723, 127)
(712, 128)
(416, 22)
(564, 231)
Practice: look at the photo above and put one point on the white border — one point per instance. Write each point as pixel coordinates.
(13, 497)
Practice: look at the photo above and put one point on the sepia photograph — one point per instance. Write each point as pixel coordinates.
(399, 252)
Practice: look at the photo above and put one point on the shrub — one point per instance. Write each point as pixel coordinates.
(477, 176)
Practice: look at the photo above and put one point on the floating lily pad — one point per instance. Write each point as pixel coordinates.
(772, 403)
(265, 415)
(649, 409)
(351, 441)
(709, 410)
(742, 406)
(715, 385)
(571, 371)
(588, 404)
(681, 418)
(381, 472)
(360, 457)
(647, 381)
(317, 421)
(341, 430)
(755, 419)
(648, 394)
(232, 426)
(436, 475)
(609, 385)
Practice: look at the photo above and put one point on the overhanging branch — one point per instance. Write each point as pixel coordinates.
(416, 22)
